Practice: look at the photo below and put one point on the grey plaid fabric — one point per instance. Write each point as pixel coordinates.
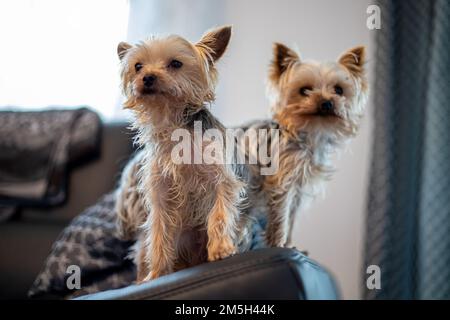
(90, 242)
(408, 222)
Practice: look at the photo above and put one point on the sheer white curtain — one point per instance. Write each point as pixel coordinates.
(61, 53)
(161, 17)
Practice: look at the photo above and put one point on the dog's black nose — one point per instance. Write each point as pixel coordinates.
(326, 106)
(149, 80)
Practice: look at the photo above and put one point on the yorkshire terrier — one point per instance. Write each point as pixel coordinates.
(182, 214)
(317, 107)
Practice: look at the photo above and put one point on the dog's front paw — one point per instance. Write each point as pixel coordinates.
(289, 245)
(273, 241)
(221, 249)
(150, 276)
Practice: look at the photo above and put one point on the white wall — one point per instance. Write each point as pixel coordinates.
(332, 230)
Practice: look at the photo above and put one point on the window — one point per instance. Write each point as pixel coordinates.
(61, 53)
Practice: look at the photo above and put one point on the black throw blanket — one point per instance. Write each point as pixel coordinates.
(36, 149)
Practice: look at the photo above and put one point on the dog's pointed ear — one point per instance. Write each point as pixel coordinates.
(122, 49)
(282, 58)
(215, 42)
(354, 60)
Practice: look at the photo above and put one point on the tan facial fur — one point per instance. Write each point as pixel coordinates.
(299, 88)
(173, 87)
(188, 84)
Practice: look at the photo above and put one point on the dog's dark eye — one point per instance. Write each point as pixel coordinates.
(339, 90)
(304, 91)
(175, 64)
(138, 66)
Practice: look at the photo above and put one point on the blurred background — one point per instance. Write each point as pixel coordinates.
(63, 53)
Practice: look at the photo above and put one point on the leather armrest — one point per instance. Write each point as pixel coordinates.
(275, 273)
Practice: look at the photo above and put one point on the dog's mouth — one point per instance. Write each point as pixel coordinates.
(315, 112)
(149, 91)
(328, 114)
(321, 114)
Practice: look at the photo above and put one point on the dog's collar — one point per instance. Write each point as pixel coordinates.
(190, 111)
(193, 113)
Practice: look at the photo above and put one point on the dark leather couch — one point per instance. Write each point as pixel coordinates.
(263, 274)
(276, 273)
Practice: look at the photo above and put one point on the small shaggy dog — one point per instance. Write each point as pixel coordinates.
(317, 107)
(189, 212)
